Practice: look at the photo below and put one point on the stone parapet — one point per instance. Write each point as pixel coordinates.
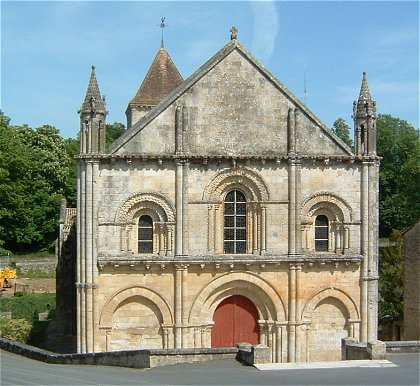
(353, 350)
(129, 358)
(403, 346)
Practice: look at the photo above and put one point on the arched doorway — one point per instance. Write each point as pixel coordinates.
(235, 321)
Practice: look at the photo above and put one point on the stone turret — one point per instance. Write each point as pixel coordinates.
(92, 119)
(161, 79)
(364, 115)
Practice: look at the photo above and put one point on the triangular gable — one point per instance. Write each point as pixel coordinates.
(201, 72)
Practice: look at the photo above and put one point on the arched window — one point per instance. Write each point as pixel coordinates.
(235, 222)
(321, 233)
(145, 234)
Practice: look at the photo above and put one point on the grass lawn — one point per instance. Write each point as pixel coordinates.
(27, 306)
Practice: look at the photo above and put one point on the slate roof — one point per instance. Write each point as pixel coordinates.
(93, 92)
(161, 79)
(202, 71)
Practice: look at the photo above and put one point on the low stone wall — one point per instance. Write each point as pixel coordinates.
(252, 355)
(403, 346)
(139, 359)
(353, 350)
(175, 356)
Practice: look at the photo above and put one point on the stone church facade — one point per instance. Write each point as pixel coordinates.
(226, 213)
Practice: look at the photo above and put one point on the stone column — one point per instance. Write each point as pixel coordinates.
(170, 239)
(89, 256)
(263, 229)
(255, 229)
(178, 306)
(79, 262)
(279, 343)
(298, 330)
(179, 208)
(292, 207)
(178, 130)
(82, 258)
(373, 203)
(210, 236)
(292, 314)
(218, 230)
(94, 265)
(185, 218)
(184, 308)
(298, 199)
(364, 250)
(291, 137)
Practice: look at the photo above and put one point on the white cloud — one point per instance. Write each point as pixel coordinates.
(265, 27)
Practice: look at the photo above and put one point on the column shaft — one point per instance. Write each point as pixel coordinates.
(82, 260)
(178, 307)
(292, 207)
(78, 263)
(364, 250)
(185, 171)
(292, 314)
(179, 209)
(89, 257)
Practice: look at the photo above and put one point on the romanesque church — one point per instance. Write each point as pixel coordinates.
(226, 213)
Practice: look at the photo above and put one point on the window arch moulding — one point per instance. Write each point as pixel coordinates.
(340, 220)
(160, 209)
(256, 193)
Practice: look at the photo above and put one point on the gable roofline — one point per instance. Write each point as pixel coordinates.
(203, 70)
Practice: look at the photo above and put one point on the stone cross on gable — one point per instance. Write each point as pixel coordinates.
(233, 33)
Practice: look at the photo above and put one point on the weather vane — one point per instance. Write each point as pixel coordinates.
(162, 26)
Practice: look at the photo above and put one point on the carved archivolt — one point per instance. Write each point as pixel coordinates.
(338, 208)
(262, 294)
(247, 180)
(155, 202)
(335, 293)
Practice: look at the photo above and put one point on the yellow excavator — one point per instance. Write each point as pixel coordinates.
(7, 277)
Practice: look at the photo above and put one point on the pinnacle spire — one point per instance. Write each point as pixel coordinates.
(93, 100)
(364, 89)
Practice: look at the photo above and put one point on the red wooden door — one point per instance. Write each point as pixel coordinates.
(235, 321)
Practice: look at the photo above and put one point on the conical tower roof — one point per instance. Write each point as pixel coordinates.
(161, 79)
(93, 99)
(364, 90)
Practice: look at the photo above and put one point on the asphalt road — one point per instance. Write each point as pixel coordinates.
(17, 370)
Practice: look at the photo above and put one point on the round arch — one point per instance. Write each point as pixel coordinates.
(336, 206)
(335, 293)
(118, 298)
(262, 294)
(243, 179)
(155, 202)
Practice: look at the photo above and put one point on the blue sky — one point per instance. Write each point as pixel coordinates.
(47, 49)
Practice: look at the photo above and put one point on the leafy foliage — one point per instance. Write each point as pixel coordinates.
(37, 169)
(15, 329)
(113, 131)
(399, 183)
(342, 130)
(391, 276)
(34, 175)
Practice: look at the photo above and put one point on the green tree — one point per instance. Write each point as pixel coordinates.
(391, 274)
(113, 131)
(399, 182)
(34, 173)
(342, 130)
